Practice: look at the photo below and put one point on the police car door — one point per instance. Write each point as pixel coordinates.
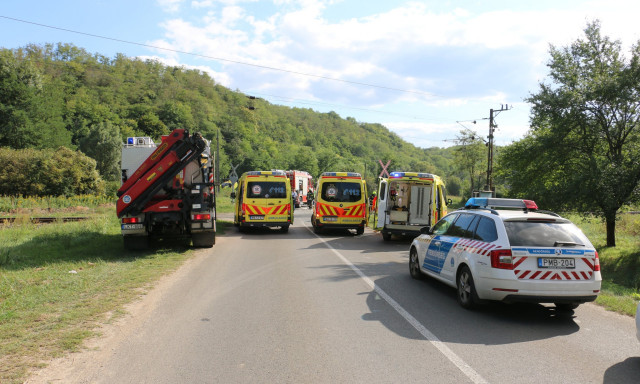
(462, 228)
(433, 257)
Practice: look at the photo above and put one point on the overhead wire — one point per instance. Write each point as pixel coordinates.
(219, 58)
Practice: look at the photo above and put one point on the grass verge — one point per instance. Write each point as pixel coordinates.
(59, 281)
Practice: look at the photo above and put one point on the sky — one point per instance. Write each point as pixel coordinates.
(424, 69)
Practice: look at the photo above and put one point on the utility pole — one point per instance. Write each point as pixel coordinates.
(492, 126)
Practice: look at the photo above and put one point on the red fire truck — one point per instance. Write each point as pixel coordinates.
(301, 182)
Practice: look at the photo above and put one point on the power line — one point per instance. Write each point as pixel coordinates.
(219, 58)
(318, 103)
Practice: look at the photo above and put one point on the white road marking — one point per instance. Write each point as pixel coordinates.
(442, 347)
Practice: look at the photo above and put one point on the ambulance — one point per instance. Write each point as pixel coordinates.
(409, 201)
(340, 202)
(263, 199)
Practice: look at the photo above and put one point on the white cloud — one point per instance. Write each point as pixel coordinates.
(457, 59)
(170, 5)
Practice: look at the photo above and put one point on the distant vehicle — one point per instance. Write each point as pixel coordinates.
(340, 202)
(517, 254)
(301, 181)
(167, 190)
(409, 201)
(263, 199)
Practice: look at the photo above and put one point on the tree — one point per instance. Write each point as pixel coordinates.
(469, 156)
(103, 144)
(583, 147)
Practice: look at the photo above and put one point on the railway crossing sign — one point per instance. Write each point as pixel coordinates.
(384, 168)
(233, 176)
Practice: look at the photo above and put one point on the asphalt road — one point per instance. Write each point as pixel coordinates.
(272, 307)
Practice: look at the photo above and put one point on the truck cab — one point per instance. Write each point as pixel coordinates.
(409, 201)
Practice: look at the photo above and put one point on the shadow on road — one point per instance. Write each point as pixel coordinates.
(625, 372)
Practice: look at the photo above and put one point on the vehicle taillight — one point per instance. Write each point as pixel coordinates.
(130, 220)
(501, 259)
(201, 217)
(596, 264)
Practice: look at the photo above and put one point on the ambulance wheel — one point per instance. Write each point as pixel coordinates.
(566, 306)
(284, 228)
(204, 239)
(467, 295)
(360, 230)
(386, 236)
(414, 265)
(135, 243)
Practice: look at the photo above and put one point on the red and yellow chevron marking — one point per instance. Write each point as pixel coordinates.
(552, 274)
(259, 210)
(357, 210)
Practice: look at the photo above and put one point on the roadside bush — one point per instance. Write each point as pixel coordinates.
(63, 172)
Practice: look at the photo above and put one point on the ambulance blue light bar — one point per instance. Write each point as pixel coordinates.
(411, 174)
(266, 173)
(341, 174)
(130, 140)
(486, 202)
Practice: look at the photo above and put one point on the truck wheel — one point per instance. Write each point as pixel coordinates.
(386, 236)
(203, 239)
(136, 243)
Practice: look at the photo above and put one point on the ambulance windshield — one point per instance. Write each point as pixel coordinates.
(266, 190)
(343, 192)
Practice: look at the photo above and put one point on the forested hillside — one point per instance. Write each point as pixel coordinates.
(61, 95)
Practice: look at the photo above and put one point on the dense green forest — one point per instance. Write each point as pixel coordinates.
(61, 95)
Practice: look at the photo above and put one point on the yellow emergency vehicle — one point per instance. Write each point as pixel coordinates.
(263, 199)
(340, 202)
(409, 201)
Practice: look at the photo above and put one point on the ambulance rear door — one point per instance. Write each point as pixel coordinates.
(382, 203)
(419, 209)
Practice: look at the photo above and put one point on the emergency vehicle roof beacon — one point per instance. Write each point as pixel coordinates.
(340, 202)
(507, 250)
(263, 199)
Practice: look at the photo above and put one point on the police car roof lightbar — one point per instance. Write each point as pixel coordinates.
(484, 202)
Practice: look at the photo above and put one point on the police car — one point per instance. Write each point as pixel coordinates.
(508, 250)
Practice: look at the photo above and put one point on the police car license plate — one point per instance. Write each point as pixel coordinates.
(132, 226)
(556, 263)
(330, 218)
(256, 217)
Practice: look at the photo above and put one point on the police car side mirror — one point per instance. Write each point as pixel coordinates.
(426, 230)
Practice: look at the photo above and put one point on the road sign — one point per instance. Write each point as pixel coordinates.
(233, 176)
(384, 168)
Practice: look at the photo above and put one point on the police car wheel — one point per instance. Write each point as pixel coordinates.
(414, 266)
(467, 296)
(386, 236)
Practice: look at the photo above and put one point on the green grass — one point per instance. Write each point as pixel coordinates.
(59, 281)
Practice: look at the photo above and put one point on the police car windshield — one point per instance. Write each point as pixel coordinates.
(343, 192)
(266, 190)
(542, 234)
